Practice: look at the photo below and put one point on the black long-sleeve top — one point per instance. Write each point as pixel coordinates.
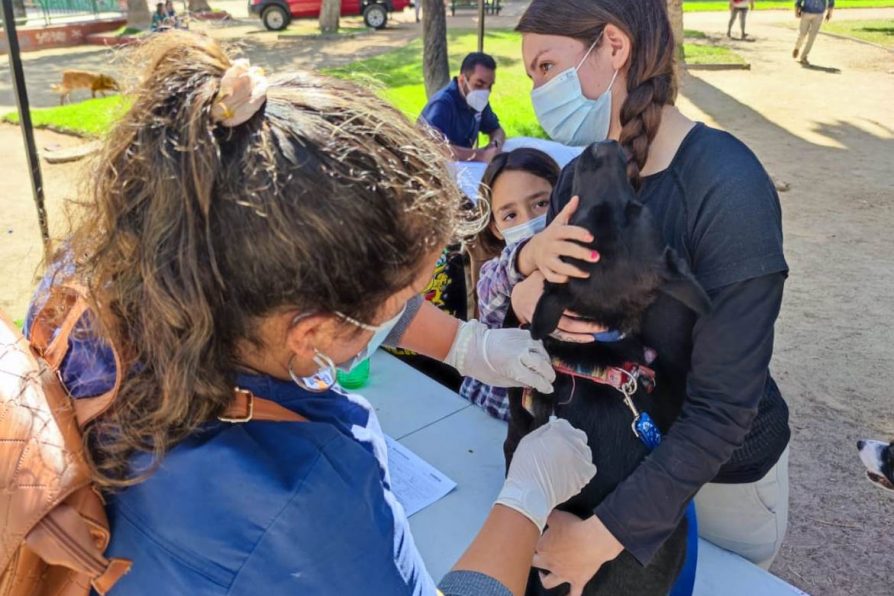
(718, 208)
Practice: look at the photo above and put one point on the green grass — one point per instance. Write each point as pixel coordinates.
(701, 48)
(125, 30)
(879, 31)
(89, 118)
(697, 53)
(398, 75)
(723, 5)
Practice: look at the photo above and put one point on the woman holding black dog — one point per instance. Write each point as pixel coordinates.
(604, 69)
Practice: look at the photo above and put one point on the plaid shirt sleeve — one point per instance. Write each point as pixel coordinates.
(498, 277)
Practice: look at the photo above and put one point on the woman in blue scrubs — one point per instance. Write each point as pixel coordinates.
(245, 237)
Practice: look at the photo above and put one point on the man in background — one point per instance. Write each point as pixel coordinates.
(461, 110)
(811, 14)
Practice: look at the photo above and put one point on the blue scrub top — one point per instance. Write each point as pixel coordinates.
(262, 507)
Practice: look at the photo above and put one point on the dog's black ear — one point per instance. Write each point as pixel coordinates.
(681, 285)
(547, 314)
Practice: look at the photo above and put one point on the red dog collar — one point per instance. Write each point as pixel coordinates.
(626, 378)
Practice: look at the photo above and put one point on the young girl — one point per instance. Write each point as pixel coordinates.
(517, 185)
(242, 239)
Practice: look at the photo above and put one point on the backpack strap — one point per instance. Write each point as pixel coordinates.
(63, 538)
(246, 406)
(51, 342)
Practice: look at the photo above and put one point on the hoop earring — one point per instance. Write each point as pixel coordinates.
(319, 382)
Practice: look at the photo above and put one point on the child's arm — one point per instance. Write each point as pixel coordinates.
(496, 280)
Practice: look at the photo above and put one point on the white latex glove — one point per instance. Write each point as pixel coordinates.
(501, 357)
(550, 465)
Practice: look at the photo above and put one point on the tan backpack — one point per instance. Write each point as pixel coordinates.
(53, 526)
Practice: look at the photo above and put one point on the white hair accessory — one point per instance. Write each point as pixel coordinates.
(243, 90)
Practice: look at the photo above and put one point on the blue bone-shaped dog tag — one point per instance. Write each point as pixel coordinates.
(644, 428)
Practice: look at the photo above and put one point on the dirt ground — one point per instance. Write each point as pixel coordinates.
(829, 133)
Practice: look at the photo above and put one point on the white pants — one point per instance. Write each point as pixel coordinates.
(810, 26)
(747, 519)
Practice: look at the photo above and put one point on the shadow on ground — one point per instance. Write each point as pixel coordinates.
(826, 69)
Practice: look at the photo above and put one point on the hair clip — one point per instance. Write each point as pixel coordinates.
(243, 90)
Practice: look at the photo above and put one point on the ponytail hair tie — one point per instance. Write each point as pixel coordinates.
(243, 90)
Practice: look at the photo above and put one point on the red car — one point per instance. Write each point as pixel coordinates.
(277, 14)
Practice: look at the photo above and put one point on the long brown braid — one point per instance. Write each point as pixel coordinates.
(651, 75)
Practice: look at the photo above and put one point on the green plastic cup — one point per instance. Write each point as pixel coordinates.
(355, 379)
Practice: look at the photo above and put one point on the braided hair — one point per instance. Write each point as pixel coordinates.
(651, 74)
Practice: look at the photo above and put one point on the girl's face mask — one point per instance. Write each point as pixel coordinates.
(566, 114)
(516, 234)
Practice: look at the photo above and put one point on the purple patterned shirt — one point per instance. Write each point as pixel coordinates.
(498, 277)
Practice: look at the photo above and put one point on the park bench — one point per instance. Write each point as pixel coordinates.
(490, 6)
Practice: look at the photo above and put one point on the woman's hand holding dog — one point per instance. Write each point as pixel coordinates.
(545, 250)
(573, 549)
(525, 296)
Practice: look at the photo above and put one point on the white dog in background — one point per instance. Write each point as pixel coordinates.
(878, 457)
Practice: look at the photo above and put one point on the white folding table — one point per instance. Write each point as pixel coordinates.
(467, 445)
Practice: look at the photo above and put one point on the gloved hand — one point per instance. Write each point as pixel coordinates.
(550, 465)
(501, 357)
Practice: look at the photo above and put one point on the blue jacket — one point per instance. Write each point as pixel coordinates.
(448, 112)
(263, 507)
(814, 6)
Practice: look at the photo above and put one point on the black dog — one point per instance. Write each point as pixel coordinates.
(638, 284)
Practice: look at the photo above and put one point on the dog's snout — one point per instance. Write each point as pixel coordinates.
(861, 444)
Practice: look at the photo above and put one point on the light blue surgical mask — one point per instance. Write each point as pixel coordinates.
(566, 114)
(516, 234)
(381, 332)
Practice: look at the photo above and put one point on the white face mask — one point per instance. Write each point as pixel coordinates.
(381, 332)
(516, 234)
(478, 99)
(566, 114)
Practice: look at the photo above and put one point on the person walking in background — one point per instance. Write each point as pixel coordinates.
(738, 8)
(811, 14)
(418, 6)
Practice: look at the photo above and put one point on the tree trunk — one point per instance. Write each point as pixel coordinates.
(434, 44)
(675, 12)
(330, 11)
(138, 15)
(199, 6)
